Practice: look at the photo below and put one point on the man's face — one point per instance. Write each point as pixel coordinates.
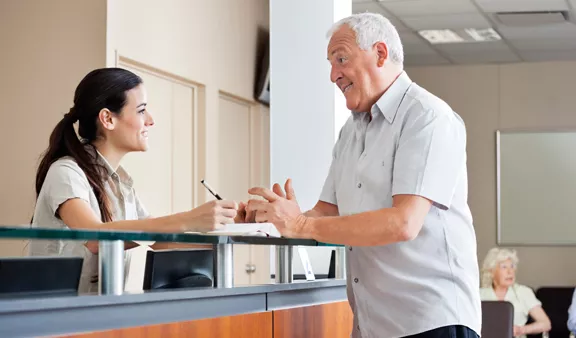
(355, 71)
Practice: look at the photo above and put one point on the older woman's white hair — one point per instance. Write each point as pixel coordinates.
(494, 257)
(371, 28)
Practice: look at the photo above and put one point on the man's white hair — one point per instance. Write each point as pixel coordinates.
(494, 257)
(371, 28)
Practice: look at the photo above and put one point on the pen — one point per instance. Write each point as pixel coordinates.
(207, 186)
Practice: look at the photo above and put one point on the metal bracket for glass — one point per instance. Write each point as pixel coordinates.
(223, 265)
(340, 263)
(111, 267)
(284, 264)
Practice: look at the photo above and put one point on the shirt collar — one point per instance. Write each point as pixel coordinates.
(122, 175)
(389, 102)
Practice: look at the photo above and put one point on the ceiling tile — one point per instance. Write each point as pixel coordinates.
(413, 44)
(403, 8)
(549, 55)
(418, 49)
(543, 44)
(473, 47)
(563, 30)
(409, 37)
(447, 21)
(522, 5)
(483, 57)
(373, 7)
(425, 60)
(359, 1)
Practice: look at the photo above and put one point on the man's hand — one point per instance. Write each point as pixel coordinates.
(519, 331)
(280, 209)
(241, 214)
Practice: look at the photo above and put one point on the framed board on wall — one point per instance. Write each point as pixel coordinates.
(536, 187)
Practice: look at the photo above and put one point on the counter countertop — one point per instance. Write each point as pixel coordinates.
(67, 314)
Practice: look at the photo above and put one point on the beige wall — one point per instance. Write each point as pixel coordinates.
(491, 97)
(213, 43)
(43, 57)
(45, 49)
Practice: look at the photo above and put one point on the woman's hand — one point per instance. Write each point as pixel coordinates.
(519, 331)
(210, 216)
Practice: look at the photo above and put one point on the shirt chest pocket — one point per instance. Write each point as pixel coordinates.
(376, 172)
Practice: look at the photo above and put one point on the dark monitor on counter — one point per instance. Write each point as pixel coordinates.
(33, 276)
(178, 269)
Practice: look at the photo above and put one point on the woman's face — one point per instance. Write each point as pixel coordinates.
(131, 126)
(504, 274)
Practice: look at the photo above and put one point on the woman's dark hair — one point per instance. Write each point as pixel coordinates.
(101, 88)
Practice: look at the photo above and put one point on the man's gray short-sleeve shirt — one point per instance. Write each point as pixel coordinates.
(410, 143)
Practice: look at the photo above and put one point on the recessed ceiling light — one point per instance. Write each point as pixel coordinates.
(460, 36)
(441, 36)
(481, 35)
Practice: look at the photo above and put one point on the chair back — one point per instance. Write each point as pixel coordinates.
(556, 302)
(497, 319)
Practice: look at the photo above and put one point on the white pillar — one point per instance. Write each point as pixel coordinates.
(306, 109)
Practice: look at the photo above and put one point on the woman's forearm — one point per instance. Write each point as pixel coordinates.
(77, 214)
(171, 223)
(537, 327)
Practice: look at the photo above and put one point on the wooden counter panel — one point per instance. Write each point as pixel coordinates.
(333, 320)
(255, 325)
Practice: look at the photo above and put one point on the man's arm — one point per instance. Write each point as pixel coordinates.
(322, 209)
(428, 166)
(400, 223)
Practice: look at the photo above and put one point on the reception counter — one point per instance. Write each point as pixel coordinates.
(299, 309)
(282, 309)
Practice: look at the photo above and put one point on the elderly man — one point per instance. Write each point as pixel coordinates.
(395, 195)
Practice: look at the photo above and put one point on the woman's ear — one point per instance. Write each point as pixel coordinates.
(106, 119)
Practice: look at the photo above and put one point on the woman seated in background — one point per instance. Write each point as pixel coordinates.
(81, 185)
(499, 284)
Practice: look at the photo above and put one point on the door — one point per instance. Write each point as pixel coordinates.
(241, 166)
(165, 176)
(260, 254)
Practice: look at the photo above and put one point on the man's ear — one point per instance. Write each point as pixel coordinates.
(382, 52)
(106, 118)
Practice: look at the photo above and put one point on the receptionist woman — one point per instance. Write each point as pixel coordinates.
(80, 183)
